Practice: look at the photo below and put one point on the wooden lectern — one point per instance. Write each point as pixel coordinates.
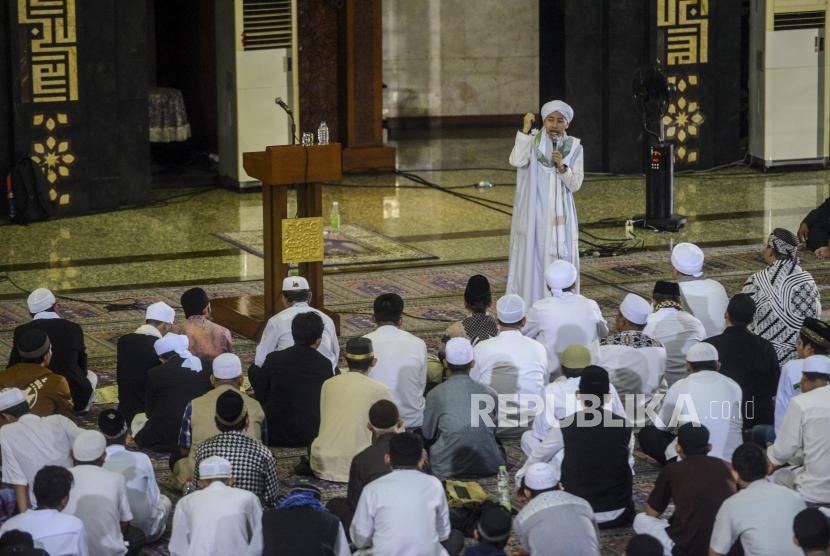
(277, 168)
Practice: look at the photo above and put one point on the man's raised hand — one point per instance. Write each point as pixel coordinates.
(528, 122)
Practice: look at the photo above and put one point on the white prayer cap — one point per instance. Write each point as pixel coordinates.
(510, 308)
(635, 309)
(89, 446)
(541, 476)
(294, 284)
(40, 300)
(817, 364)
(161, 312)
(558, 106)
(459, 351)
(560, 275)
(702, 351)
(215, 467)
(10, 397)
(687, 258)
(227, 366)
(170, 342)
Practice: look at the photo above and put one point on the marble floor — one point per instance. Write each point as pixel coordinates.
(172, 240)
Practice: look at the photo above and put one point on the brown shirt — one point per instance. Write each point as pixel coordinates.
(698, 485)
(46, 392)
(207, 339)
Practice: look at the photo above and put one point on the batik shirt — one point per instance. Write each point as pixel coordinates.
(631, 338)
(254, 466)
(784, 295)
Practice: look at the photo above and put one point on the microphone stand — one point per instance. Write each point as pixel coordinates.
(290, 114)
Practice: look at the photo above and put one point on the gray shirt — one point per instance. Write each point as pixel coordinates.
(761, 515)
(557, 523)
(465, 445)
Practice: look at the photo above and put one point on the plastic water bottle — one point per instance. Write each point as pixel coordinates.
(504, 487)
(334, 217)
(323, 134)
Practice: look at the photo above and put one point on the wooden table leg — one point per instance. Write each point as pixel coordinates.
(274, 210)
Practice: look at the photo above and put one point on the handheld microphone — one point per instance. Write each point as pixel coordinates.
(281, 103)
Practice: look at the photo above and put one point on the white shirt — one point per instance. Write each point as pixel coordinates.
(761, 515)
(216, 520)
(634, 370)
(561, 401)
(789, 386)
(142, 489)
(710, 399)
(402, 367)
(46, 315)
(277, 334)
(57, 533)
(804, 440)
(677, 331)
(707, 300)
(99, 499)
(558, 322)
(511, 363)
(403, 513)
(33, 442)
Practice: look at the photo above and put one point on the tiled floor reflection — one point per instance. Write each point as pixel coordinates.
(172, 240)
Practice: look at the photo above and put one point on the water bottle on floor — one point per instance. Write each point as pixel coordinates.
(504, 487)
(323, 134)
(334, 218)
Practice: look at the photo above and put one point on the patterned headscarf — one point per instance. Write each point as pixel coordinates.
(784, 243)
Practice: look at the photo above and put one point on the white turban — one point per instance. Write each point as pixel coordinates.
(635, 309)
(559, 276)
(40, 300)
(178, 343)
(558, 106)
(687, 258)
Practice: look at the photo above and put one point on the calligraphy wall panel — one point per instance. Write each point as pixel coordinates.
(589, 52)
(79, 96)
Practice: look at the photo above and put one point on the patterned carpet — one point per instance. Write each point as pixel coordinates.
(433, 298)
(352, 245)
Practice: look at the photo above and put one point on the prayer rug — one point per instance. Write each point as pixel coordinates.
(353, 245)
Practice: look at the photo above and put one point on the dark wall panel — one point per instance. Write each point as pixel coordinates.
(589, 52)
(319, 65)
(90, 134)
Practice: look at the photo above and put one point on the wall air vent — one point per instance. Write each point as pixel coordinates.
(799, 20)
(266, 24)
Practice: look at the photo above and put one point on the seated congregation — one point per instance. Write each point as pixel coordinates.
(728, 398)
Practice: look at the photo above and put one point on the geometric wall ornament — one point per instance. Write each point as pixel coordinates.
(683, 27)
(52, 154)
(683, 118)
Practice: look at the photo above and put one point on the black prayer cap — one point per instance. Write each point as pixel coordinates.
(477, 290)
(230, 408)
(664, 287)
(817, 331)
(33, 344)
(383, 414)
(741, 308)
(194, 301)
(644, 545)
(494, 524)
(693, 438)
(594, 380)
(358, 349)
(112, 423)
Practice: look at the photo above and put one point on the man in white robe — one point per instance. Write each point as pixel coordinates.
(217, 519)
(705, 298)
(565, 318)
(549, 166)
